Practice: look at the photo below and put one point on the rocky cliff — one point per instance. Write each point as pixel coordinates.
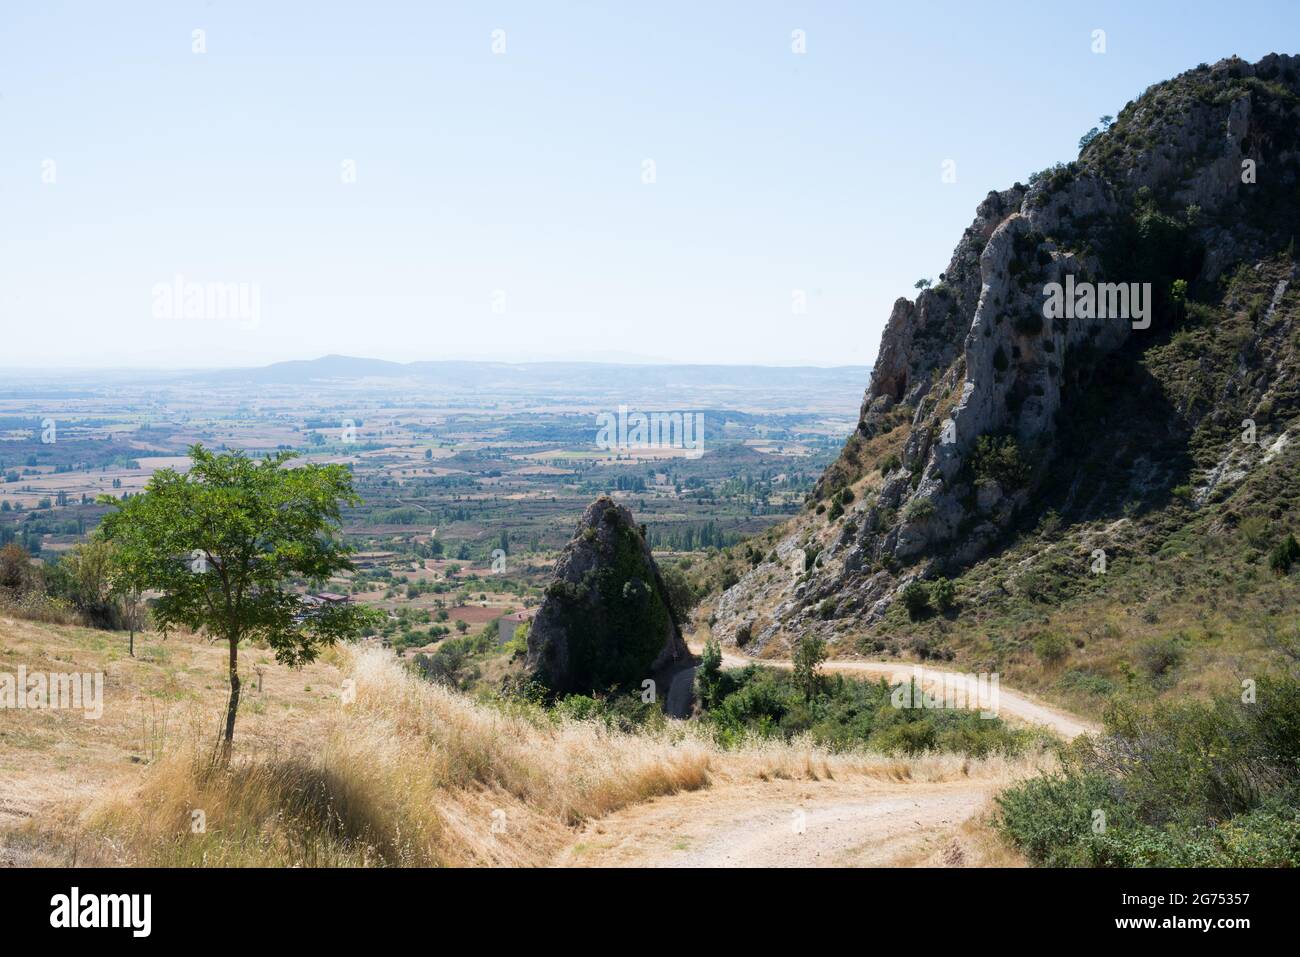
(983, 406)
(606, 621)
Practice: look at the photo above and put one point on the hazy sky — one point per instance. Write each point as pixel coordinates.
(500, 206)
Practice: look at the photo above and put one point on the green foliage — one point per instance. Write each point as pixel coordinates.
(919, 510)
(625, 712)
(809, 656)
(1160, 656)
(1187, 785)
(944, 594)
(680, 591)
(889, 463)
(615, 621)
(222, 543)
(998, 458)
(708, 676)
(452, 662)
(1051, 647)
(916, 599)
(1284, 555)
(847, 715)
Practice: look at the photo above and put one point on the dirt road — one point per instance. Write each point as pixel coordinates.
(784, 824)
(857, 821)
(1013, 705)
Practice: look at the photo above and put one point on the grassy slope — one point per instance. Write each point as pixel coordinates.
(172, 692)
(409, 774)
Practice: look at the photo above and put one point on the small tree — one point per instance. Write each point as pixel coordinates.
(916, 599)
(1284, 554)
(222, 542)
(92, 572)
(808, 657)
(944, 594)
(710, 671)
(15, 568)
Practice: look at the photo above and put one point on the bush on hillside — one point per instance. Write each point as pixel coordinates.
(1186, 785)
(916, 599)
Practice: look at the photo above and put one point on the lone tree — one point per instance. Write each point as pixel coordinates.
(808, 657)
(223, 541)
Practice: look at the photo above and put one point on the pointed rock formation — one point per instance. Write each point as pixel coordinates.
(606, 620)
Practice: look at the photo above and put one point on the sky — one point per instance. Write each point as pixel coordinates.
(515, 181)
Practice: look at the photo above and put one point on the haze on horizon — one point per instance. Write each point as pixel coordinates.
(474, 182)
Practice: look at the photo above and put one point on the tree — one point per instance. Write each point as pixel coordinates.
(15, 568)
(710, 671)
(91, 572)
(916, 599)
(1284, 554)
(680, 592)
(944, 594)
(223, 541)
(808, 657)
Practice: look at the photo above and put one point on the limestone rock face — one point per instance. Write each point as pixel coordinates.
(977, 374)
(606, 621)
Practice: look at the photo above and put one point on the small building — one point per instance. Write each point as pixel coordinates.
(313, 603)
(507, 625)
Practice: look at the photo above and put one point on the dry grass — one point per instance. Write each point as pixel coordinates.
(409, 773)
(974, 843)
(171, 694)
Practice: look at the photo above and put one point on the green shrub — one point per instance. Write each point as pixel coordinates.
(944, 594)
(916, 599)
(919, 510)
(1284, 555)
(1159, 656)
(998, 458)
(845, 714)
(1051, 647)
(1191, 784)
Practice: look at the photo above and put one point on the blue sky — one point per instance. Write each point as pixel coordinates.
(499, 208)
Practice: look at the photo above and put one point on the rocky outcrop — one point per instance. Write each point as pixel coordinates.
(1198, 174)
(606, 621)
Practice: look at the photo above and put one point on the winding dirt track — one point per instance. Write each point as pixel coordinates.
(859, 821)
(1011, 704)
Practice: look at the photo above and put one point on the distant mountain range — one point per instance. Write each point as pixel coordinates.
(475, 374)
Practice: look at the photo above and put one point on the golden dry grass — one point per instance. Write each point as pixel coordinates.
(407, 774)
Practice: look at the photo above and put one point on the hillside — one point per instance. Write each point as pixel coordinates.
(1103, 493)
(404, 771)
